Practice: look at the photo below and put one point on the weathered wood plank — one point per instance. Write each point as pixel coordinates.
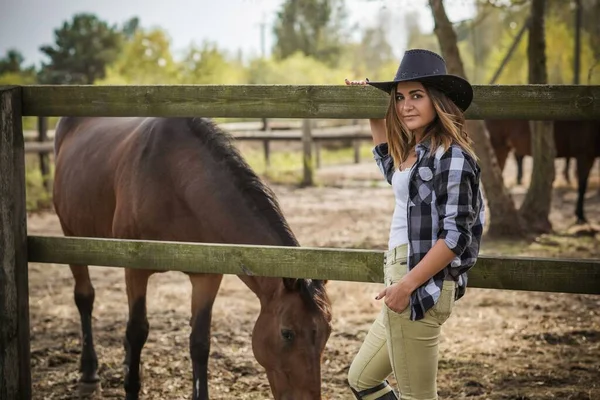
(548, 275)
(48, 147)
(538, 102)
(15, 376)
(39, 147)
(307, 158)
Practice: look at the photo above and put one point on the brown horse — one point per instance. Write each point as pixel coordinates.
(578, 139)
(181, 179)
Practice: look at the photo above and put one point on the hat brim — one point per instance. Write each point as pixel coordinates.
(456, 88)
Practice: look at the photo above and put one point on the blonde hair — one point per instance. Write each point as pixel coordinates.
(445, 129)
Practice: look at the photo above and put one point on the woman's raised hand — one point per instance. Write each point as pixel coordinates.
(356, 83)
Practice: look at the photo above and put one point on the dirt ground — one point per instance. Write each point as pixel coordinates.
(496, 345)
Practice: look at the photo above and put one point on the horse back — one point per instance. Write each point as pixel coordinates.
(88, 152)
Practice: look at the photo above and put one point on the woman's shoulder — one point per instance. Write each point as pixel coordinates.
(457, 155)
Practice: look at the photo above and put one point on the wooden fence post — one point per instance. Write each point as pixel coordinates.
(356, 143)
(44, 157)
(266, 144)
(267, 150)
(318, 153)
(15, 374)
(307, 160)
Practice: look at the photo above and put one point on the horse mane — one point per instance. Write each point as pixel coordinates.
(262, 199)
(314, 296)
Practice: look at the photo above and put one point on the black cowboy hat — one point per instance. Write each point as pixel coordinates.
(429, 68)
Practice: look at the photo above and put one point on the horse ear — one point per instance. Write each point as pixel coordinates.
(290, 283)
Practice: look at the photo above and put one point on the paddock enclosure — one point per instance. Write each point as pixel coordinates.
(528, 318)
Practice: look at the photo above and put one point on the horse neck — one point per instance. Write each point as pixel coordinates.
(264, 287)
(265, 233)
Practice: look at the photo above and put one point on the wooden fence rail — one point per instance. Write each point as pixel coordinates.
(534, 102)
(510, 273)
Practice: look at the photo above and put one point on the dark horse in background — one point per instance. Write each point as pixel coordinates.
(577, 139)
(181, 179)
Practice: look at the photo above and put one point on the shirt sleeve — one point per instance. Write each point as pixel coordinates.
(384, 161)
(456, 182)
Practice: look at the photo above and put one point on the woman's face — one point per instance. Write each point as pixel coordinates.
(414, 105)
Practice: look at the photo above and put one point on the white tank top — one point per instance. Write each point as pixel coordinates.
(399, 227)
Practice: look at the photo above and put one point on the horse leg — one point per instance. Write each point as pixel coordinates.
(84, 299)
(204, 291)
(137, 329)
(584, 165)
(519, 159)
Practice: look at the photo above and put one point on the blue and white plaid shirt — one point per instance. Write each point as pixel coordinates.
(445, 202)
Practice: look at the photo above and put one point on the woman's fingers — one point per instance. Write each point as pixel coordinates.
(361, 83)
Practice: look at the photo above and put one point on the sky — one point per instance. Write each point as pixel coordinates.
(233, 24)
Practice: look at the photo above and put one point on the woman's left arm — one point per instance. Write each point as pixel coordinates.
(397, 295)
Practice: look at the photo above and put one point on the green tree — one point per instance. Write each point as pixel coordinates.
(12, 62)
(12, 71)
(297, 69)
(314, 27)
(82, 50)
(559, 53)
(145, 59)
(207, 64)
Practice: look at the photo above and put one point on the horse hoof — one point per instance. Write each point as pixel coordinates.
(88, 390)
(583, 228)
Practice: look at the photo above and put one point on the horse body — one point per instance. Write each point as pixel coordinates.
(180, 179)
(577, 139)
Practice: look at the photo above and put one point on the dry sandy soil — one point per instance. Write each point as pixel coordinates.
(497, 344)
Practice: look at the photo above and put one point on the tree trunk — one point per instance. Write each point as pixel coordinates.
(536, 206)
(504, 219)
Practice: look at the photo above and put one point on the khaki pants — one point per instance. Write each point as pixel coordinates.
(396, 344)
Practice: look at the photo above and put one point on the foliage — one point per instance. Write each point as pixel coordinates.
(16, 78)
(146, 59)
(294, 70)
(13, 63)
(314, 27)
(36, 196)
(12, 71)
(208, 65)
(82, 50)
(486, 39)
(559, 53)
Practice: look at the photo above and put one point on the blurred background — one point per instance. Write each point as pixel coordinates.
(275, 41)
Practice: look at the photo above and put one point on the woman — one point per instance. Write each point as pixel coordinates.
(424, 152)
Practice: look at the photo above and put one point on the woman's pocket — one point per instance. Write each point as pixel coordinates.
(391, 314)
(443, 308)
(393, 274)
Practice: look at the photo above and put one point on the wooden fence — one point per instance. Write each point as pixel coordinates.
(40, 142)
(307, 102)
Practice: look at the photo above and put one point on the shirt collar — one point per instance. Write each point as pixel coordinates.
(424, 145)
